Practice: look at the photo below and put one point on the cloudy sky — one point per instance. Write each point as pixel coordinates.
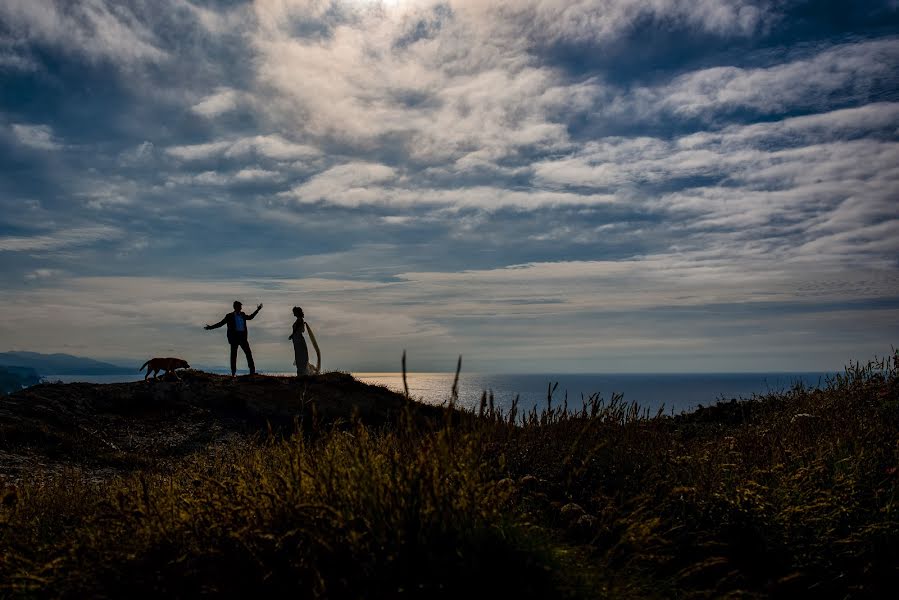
(538, 185)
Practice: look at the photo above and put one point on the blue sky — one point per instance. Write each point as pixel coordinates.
(538, 185)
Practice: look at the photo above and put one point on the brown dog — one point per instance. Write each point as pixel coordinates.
(163, 364)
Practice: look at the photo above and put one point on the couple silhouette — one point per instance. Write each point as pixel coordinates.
(238, 338)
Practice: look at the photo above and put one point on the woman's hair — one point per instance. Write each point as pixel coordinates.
(298, 312)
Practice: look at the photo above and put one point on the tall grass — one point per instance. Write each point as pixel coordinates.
(355, 513)
(788, 493)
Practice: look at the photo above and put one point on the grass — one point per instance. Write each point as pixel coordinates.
(788, 493)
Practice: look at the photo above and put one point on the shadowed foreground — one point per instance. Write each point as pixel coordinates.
(373, 495)
(108, 428)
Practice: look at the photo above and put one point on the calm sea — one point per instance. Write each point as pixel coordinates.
(674, 392)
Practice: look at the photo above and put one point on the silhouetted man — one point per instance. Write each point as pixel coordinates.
(237, 335)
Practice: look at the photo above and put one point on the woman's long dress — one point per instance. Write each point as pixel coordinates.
(300, 351)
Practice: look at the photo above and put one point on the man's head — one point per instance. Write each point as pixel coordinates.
(237, 305)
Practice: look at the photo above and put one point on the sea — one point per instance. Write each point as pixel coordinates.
(672, 393)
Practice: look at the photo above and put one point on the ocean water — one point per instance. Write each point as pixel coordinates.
(674, 392)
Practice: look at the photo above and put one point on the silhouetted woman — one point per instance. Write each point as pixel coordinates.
(300, 351)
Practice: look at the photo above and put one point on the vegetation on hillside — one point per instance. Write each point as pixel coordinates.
(787, 493)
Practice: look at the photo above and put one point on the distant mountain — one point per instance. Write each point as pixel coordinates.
(60, 364)
(13, 379)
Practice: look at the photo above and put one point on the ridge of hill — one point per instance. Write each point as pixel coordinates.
(122, 426)
(59, 364)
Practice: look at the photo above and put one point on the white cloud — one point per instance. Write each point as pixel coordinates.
(218, 21)
(747, 153)
(349, 184)
(39, 137)
(359, 188)
(781, 193)
(199, 151)
(850, 70)
(39, 274)
(78, 236)
(223, 100)
(273, 147)
(91, 28)
(447, 97)
(256, 175)
(600, 21)
(219, 178)
(456, 81)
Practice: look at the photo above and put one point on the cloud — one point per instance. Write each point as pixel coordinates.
(222, 101)
(779, 181)
(696, 278)
(346, 184)
(533, 179)
(739, 153)
(217, 178)
(528, 314)
(139, 154)
(39, 137)
(444, 97)
(91, 28)
(255, 175)
(607, 21)
(455, 81)
(39, 274)
(853, 71)
(219, 21)
(273, 147)
(199, 151)
(15, 56)
(78, 236)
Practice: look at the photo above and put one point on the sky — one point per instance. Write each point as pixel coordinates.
(536, 185)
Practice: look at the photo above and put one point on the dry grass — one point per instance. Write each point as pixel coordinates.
(747, 499)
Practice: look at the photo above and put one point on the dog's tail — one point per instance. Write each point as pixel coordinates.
(144, 365)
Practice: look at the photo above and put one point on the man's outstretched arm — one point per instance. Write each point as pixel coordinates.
(217, 325)
(255, 312)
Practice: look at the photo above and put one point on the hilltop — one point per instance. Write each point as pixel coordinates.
(330, 488)
(123, 426)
